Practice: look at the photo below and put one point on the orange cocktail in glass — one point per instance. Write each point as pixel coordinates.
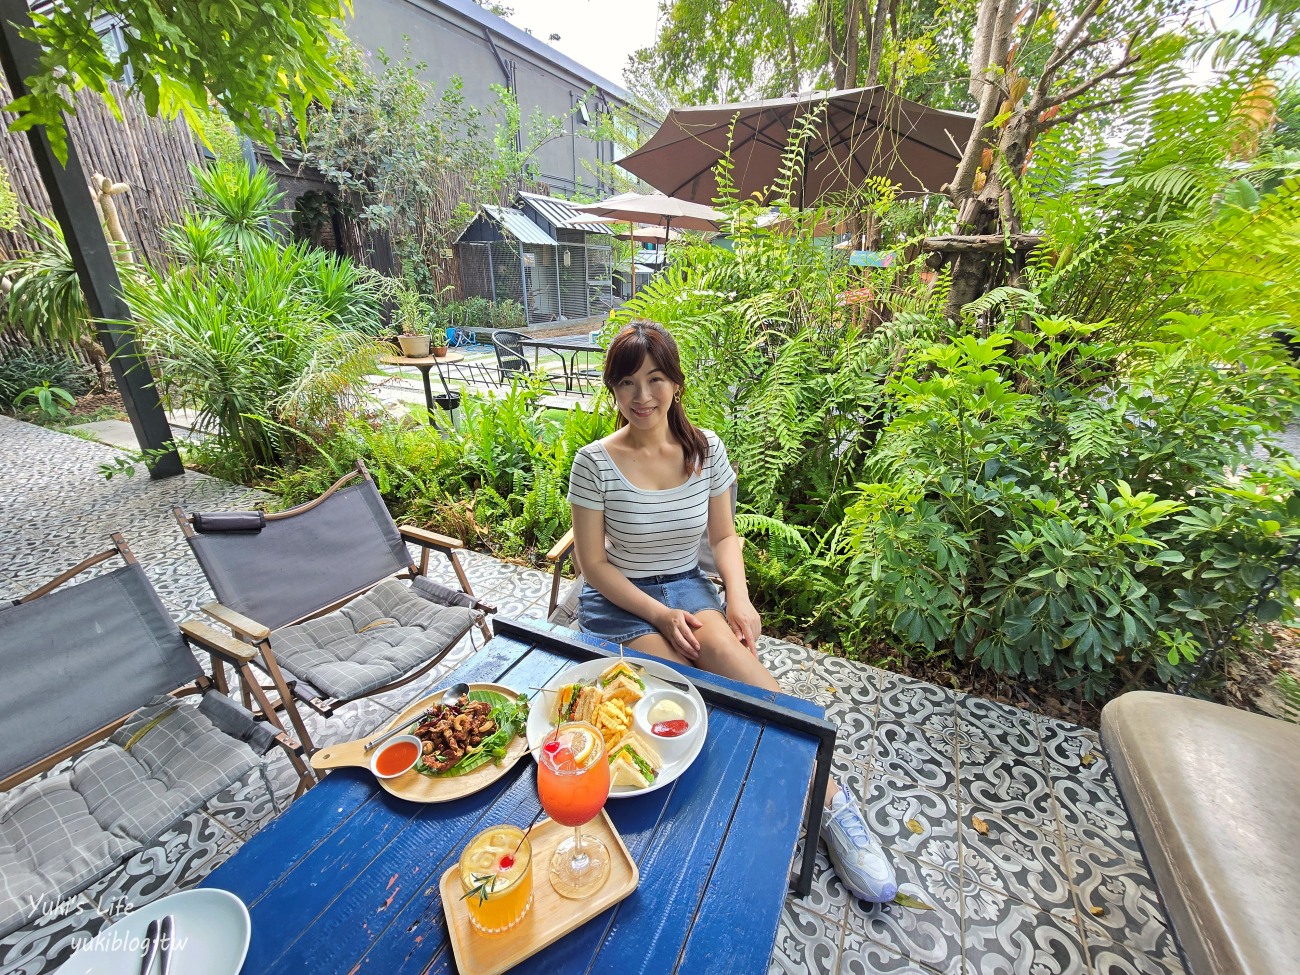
(573, 784)
(496, 875)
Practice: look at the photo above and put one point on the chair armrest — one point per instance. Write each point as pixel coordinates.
(238, 622)
(217, 642)
(422, 536)
(562, 548)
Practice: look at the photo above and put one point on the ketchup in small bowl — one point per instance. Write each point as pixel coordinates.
(671, 728)
(670, 720)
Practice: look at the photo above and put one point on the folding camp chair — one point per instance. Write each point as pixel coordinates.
(99, 660)
(564, 611)
(314, 589)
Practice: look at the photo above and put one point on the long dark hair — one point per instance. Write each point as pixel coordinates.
(626, 354)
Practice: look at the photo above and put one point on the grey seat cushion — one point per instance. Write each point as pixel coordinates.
(1214, 794)
(60, 833)
(373, 640)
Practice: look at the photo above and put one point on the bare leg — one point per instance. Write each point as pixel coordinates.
(657, 646)
(721, 653)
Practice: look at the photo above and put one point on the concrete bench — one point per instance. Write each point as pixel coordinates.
(1214, 795)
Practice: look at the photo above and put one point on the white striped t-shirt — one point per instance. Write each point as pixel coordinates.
(650, 533)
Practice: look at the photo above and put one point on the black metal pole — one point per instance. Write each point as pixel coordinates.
(75, 211)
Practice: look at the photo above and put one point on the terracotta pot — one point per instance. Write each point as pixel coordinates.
(414, 346)
(439, 350)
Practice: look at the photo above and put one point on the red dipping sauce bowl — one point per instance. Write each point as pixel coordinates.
(669, 720)
(397, 757)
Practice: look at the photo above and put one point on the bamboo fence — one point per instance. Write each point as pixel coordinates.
(150, 155)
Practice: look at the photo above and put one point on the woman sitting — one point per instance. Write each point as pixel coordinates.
(642, 498)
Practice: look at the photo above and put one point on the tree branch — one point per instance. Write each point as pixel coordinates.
(1071, 116)
(978, 243)
(1117, 70)
(1065, 50)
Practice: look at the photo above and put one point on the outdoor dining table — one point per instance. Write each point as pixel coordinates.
(346, 879)
(449, 400)
(565, 345)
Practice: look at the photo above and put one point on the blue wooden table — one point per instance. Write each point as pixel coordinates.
(346, 879)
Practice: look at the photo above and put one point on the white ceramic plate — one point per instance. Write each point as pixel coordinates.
(542, 704)
(211, 937)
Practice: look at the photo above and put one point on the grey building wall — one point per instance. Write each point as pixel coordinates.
(459, 38)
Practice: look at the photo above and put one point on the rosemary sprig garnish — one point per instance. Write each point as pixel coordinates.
(483, 886)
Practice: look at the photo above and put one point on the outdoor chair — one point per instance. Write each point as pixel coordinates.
(102, 663)
(510, 354)
(564, 611)
(316, 590)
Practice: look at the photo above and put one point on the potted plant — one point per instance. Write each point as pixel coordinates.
(438, 340)
(412, 316)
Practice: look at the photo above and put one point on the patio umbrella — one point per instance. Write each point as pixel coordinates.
(648, 234)
(664, 211)
(634, 231)
(857, 133)
(655, 208)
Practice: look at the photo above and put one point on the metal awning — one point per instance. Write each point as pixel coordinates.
(515, 224)
(560, 213)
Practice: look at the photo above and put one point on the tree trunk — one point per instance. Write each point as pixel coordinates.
(879, 24)
(833, 46)
(793, 87)
(976, 272)
(852, 42)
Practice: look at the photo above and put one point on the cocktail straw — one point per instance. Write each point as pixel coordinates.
(528, 829)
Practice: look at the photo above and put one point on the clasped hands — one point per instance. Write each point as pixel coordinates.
(678, 627)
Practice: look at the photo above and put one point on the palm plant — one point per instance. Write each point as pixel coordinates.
(252, 348)
(44, 296)
(245, 201)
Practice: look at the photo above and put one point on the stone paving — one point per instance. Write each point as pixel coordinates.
(1006, 824)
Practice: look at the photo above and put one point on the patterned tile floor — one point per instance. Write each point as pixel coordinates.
(1005, 823)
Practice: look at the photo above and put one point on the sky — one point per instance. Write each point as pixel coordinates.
(599, 34)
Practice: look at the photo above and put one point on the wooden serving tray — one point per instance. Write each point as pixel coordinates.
(551, 917)
(411, 784)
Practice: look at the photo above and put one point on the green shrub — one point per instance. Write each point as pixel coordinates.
(26, 369)
(264, 347)
(1068, 513)
(499, 480)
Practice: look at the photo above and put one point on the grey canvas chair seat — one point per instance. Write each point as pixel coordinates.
(63, 832)
(90, 676)
(370, 642)
(313, 590)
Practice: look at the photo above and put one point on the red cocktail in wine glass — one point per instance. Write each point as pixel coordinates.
(573, 784)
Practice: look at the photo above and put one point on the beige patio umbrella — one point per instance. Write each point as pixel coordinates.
(664, 212)
(655, 208)
(857, 133)
(635, 232)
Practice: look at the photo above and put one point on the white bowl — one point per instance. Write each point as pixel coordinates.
(670, 749)
(374, 759)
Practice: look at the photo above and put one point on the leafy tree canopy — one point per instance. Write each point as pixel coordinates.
(707, 52)
(249, 56)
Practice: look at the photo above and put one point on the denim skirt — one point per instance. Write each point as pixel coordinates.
(688, 591)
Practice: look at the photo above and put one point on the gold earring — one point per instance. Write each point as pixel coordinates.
(677, 397)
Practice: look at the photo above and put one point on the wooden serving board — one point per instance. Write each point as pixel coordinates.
(551, 917)
(411, 784)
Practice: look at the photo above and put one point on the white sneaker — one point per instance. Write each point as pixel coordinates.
(856, 855)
